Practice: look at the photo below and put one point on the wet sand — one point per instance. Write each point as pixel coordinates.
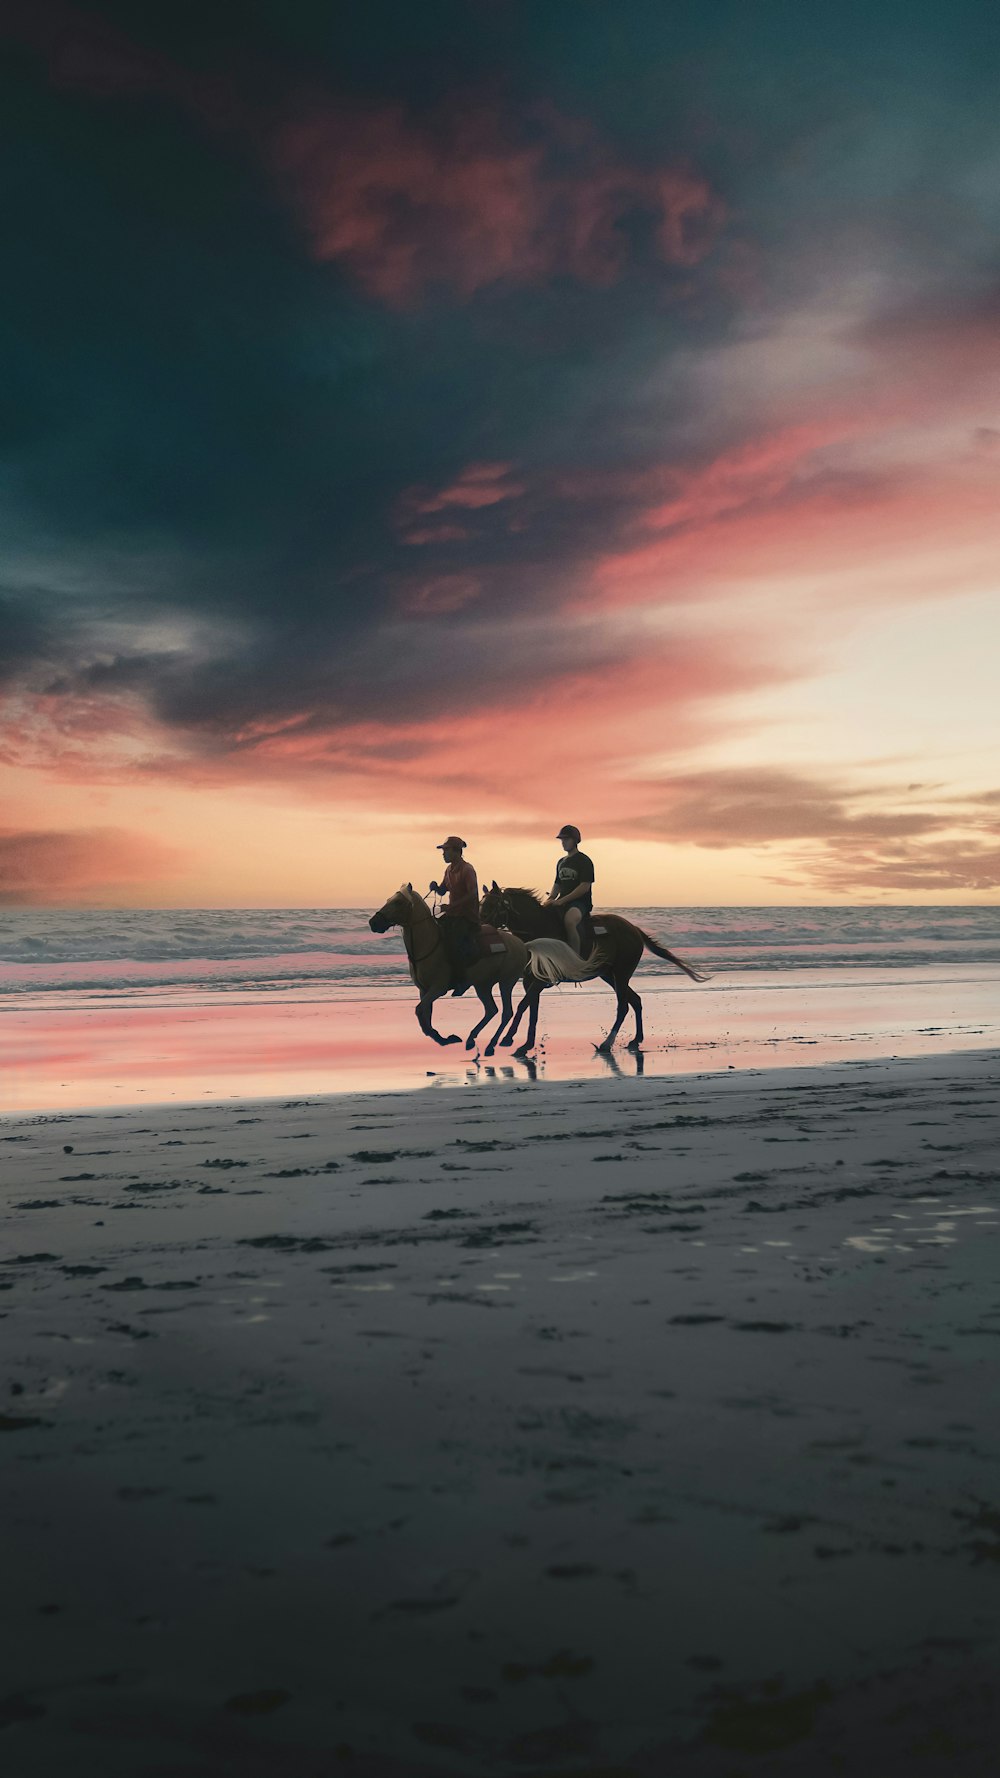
(632, 1427)
(83, 1049)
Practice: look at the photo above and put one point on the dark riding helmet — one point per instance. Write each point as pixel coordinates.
(569, 833)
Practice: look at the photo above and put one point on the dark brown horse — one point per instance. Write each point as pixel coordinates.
(618, 947)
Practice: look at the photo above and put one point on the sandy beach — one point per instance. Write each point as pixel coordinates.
(625, 1427)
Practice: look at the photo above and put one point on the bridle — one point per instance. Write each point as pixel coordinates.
(407, 937)
(502, 911)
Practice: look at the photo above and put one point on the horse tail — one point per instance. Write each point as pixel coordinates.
(553, 962)
(669, 957)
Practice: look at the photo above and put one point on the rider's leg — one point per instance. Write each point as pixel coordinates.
(467, 950)
(452, 940)
(571, 920)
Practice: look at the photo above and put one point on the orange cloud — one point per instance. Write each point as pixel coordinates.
(758, 805)
(43, 866)
(943, 868)
(839, 838)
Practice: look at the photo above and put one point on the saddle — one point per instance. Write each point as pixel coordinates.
(490, 942)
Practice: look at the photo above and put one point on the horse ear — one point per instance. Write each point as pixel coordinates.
(496, 885)
(410, 887)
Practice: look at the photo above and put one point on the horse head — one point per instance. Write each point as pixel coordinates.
(397, 911)
(518, 909)
(494, 908)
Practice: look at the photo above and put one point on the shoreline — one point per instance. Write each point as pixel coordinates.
(780, 1075)
(606, 1428)
(160, 1047)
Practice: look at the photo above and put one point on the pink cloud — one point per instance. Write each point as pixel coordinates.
(481, 484)
(507, 748)
(845, 498)
(427, 534)
(459, 201)
(439, 594)
(754, 472)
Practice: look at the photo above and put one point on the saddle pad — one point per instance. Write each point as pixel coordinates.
(490, 942)
(497, 949)
(600, 929)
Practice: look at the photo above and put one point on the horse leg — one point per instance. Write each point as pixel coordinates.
(506, 1011)
(636, 1005)
(628, 963)
(529, 1042)
(489, 1007)
(621, 989)
(519, 1015)
(424, 1011)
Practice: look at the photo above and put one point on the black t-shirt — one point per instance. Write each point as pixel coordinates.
(572, 870)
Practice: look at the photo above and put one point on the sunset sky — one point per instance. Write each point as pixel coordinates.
(479, 416)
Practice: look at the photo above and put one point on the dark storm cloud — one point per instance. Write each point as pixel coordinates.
(277, 276)
(23, 633)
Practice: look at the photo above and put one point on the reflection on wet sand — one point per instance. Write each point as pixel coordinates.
(158, 1045)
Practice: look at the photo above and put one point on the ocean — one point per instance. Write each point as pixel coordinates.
(103, 1008)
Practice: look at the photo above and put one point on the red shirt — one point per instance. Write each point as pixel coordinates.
(461, 885)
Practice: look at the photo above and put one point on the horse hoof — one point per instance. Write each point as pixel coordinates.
(602, 1049)
(522, 1052)
(454, 1038)
(636, 1046)
(505, 1043)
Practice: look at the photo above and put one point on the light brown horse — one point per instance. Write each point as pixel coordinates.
(618, 947)
(431, 970)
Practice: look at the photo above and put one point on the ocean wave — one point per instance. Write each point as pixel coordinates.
(114, 951)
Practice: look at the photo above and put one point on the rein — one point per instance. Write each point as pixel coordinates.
(508, 913)
(435, 943)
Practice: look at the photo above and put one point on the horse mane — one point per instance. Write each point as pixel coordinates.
(524, 895)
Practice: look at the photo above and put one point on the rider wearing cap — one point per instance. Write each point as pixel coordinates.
(572, 891)
(459, 918)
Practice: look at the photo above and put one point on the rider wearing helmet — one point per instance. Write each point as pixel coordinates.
(458, 920)
(572, 891)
